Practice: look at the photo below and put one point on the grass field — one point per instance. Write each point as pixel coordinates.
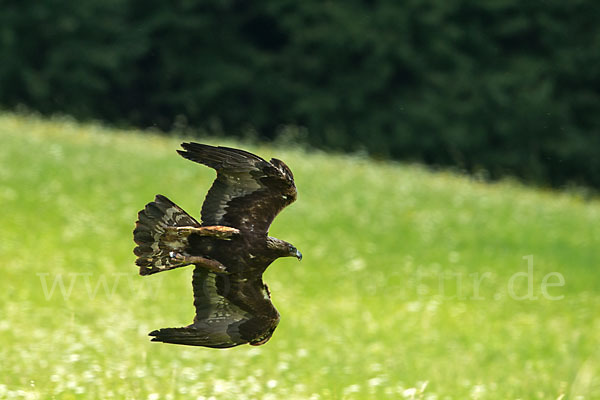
(414, 284)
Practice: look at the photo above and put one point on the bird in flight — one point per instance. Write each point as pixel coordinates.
(230, 248)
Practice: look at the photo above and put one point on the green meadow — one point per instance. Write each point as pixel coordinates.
(414, 284)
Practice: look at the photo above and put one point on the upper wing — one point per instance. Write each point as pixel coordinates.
(248, 192)
(228, 312)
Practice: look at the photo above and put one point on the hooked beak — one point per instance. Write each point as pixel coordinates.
(298, 255)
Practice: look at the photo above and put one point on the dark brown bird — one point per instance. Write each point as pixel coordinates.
(230, 248)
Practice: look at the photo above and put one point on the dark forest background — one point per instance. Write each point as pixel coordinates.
(510, 87)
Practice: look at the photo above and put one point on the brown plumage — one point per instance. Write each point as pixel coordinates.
(230, 248)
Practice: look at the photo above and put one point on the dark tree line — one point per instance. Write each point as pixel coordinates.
(508, 86)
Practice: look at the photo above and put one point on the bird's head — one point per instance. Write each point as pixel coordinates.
(281, 248)
(293, 252)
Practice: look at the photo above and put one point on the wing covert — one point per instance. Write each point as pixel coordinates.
(248, 192)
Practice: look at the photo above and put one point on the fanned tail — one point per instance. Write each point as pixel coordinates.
(156, 243)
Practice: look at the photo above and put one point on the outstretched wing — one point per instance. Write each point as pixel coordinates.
(248, 193)
(241, 309)
(227, 314)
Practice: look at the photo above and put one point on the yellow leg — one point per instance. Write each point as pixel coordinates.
(211, 265)
(217, 231)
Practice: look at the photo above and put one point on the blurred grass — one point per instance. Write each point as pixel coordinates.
(385, 303)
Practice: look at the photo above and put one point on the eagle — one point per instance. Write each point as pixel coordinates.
(230, 248)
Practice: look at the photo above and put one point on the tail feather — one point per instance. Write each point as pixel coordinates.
(152, 235)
